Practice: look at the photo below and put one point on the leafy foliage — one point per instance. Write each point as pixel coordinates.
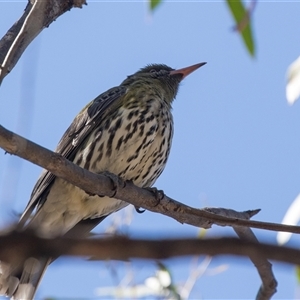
(242, 18)
(154, 4)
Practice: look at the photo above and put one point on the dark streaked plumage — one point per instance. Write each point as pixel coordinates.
(127, 131)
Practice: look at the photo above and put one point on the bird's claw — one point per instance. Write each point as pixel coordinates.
(158, 194)
(139, 210)
(116, 181)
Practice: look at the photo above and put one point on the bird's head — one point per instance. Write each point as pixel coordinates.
(162, 77)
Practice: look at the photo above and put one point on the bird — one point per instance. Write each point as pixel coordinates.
(126, 131)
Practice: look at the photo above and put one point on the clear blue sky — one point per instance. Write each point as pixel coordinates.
(236, 141)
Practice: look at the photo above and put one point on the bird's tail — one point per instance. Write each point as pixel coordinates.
(22, 285)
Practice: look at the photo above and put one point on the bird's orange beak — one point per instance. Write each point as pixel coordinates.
(188, 70)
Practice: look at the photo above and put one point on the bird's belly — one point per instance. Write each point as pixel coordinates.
(139, 167)
(67, 205)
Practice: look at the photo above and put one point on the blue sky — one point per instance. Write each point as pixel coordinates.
(236, 142)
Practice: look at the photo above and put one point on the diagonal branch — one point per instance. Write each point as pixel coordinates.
(263, 266)
(100, 184)
(38, 15)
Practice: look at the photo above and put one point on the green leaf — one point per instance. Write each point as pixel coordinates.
(298, 274)
(242, 18)
(154, 4)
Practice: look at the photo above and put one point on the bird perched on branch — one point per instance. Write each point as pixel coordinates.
(126, 131)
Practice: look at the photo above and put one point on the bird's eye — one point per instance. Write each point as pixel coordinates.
(152, 71)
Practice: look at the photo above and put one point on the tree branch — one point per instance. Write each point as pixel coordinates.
(263, 266)
(38, 15)
(26, 244)
(100, 184)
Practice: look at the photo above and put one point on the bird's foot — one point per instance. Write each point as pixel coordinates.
(158, 194)
(116, 181)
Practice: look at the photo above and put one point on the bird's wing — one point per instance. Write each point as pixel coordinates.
(82, 125)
